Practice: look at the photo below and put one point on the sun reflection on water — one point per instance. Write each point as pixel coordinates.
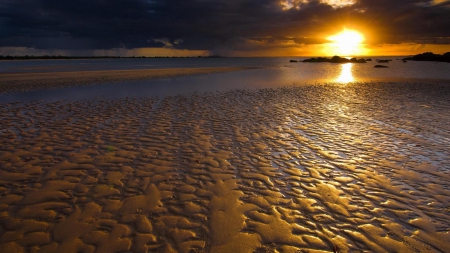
(346, 75)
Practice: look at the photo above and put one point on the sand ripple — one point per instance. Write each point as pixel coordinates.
(358, 168)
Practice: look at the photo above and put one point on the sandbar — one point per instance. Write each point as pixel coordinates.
(26, 81)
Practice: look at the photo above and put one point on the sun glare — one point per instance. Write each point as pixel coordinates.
(347, 42)
(346, 75)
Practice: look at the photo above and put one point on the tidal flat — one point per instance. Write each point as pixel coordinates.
(362, 167)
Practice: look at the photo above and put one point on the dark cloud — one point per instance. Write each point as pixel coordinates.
(213, 24)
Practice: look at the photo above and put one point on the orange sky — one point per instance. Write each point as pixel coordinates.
(370, 50)
(403, 49)
(226, 28)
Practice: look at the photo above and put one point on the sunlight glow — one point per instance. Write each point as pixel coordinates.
(338, 3)
(292, 4)
(346, 75)
(296, 4)
(347, 42)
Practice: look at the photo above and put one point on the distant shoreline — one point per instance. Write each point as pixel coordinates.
(60, 57)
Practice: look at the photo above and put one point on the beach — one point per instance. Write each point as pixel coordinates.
(285, 126)
(361, 167)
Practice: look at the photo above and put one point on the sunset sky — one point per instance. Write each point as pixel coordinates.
(221, 27)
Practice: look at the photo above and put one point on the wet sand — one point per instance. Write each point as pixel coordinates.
(314, 168)
(27, 81)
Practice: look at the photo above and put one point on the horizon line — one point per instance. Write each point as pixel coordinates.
(54, 57)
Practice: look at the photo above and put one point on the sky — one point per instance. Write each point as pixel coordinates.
(220, 27)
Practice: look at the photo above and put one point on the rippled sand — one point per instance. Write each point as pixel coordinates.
(27, 81)
(320, 168)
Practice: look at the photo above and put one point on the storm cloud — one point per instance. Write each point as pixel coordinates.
(215, 24)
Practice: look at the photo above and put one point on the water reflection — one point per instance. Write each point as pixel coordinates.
(346, 75)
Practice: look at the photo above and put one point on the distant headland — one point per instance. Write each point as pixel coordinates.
(428, 56)
(336, 59)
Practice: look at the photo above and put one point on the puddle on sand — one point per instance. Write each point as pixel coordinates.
(271, 170)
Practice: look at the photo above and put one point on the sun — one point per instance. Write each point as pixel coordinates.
(346, 43)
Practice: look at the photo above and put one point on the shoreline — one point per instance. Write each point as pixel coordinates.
(31, 81)
(199, 83)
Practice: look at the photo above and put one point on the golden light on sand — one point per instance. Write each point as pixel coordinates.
(347, 42)
(346, 75)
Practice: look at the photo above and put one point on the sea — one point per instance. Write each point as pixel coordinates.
(268, 73)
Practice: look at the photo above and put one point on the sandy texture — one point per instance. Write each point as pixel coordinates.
(359, 168)
(26, 81)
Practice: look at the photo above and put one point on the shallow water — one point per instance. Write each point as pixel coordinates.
(306, 71)
(271, 72)
(124, 64)
(358, 167)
